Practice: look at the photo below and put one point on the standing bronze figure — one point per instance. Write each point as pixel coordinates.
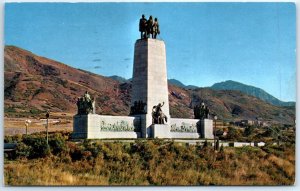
(155, 28)
(149, 26)
(143, 27)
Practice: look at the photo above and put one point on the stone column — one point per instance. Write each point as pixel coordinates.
(149, 82)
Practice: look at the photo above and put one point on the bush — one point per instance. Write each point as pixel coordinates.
(273, 132)
(233, 134)
(75, 151)
(57, 144)
(39, 146)
(8, 139)
(248, 131)
(22, 151)
(13, 139)
(94, 148)
(35, 111)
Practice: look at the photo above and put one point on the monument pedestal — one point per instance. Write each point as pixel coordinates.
(146, 122)
(206, 128)
(93, 126)
(80, 127)
(160, 131)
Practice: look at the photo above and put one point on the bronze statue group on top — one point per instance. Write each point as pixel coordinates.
(147, 27)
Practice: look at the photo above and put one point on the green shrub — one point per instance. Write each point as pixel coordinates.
(248, 131)
(205, 144)
(94, 147)
(233, 134)
(8, 139)
(57, 144)
(35, 111)
(75, 151)
(22, 151)
(13, 139)
(39, 146)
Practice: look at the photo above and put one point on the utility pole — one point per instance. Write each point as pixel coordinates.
(27, 122)
(47, 117)
(215, 146)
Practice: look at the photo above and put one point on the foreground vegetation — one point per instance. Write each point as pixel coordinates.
(143, 162)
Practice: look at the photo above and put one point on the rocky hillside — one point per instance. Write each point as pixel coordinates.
(34, 84)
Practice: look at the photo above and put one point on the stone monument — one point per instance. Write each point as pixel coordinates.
(149, 110)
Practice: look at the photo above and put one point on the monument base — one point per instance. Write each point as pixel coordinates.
(160, 131)
(206, 128)
(180, 135)
(93, 126)
(80, 124)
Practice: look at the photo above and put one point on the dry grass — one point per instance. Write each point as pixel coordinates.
(154, 163)
(284, 165)
(37, 173)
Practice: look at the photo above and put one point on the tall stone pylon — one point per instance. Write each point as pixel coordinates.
(149, 82)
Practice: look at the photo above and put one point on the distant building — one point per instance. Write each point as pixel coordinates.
(247, 122)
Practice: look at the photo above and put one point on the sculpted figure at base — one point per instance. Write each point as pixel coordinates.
(85, 104)
(201, 112)
(196, 112)
(137, 108)
(158, 117)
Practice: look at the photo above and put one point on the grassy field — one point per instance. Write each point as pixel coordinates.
(143, 162)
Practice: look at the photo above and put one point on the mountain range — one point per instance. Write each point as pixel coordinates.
(34, 84)
(247, 89)
(250, 90)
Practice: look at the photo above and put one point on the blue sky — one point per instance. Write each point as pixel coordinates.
(252, 43)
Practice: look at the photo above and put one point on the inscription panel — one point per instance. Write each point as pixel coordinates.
(119, 126)
(179, 125)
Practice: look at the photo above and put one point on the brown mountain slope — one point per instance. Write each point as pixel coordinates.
(35, 84)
